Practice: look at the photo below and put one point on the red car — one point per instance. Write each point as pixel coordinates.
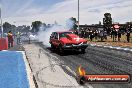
(67, 41)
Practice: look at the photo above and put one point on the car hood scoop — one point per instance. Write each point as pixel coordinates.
(73, 37)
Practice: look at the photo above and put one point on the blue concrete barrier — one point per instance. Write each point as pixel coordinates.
(12, 70)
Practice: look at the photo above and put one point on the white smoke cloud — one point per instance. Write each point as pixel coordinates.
(69, 24)
(44, 34)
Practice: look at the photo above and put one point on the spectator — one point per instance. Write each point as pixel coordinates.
(128, 36)
(82, 33)
(18, 37)
(10, 39)
(101, 35)
(76, 32)
(119, 35)
(96, 34)
(105, 35)
(91, 35)
(114, 33)
(87, 33)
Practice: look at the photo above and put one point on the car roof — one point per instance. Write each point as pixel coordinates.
(63, 31)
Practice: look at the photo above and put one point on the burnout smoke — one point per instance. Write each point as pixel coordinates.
(44, 34)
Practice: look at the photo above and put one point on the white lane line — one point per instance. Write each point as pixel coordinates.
(4, 50)
(113, 47)
(28, 70)
(118, 48)
(131, 50)
(88, 85)
(121, 48)
(107, 46)
(69, 69)
(127, 49)
(93, 44)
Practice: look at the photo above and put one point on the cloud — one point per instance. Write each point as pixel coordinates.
(91, 11)
(24, 7)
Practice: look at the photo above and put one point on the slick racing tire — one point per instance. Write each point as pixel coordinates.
(60, 50)
(81, 80)
(82, 50)
(52, 46)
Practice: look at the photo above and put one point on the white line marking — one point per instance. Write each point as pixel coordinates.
(69, 69)
(112, 47)
(126, 49)
(28, 70)
(88, 85)
(4, 50)
(118, 48)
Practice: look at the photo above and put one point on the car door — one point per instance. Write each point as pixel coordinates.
(56, 39)
(52, 38)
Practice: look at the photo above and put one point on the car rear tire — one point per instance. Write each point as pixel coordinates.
(81, 80)
(52, 46)
(60, 50)
(82, 50)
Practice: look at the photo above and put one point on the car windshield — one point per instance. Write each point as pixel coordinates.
(64, 34)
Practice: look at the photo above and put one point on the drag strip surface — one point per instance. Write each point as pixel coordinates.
(99, 60)
(13, 72)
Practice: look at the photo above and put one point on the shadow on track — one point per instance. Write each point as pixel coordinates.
(65, 53)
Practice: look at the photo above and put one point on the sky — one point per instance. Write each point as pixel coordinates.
(24, 12)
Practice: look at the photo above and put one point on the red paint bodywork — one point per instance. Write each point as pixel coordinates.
(69, 39)
(73, 39)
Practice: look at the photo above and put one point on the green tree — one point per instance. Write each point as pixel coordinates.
(74, 23)
(24, 28)
(107, 22)
(6, 27)
(36, 25)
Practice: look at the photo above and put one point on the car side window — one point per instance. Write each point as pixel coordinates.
(56, 36)
(62, 35)
(52, 35)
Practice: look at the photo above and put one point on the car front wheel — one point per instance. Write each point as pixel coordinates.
(60, 50)
(82, 50)
(52, 46)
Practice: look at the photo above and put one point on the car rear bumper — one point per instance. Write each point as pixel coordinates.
(81, 46)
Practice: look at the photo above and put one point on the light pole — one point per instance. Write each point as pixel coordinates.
(78, 18)
(1, 23)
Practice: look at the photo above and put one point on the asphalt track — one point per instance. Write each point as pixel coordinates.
(98, 60)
